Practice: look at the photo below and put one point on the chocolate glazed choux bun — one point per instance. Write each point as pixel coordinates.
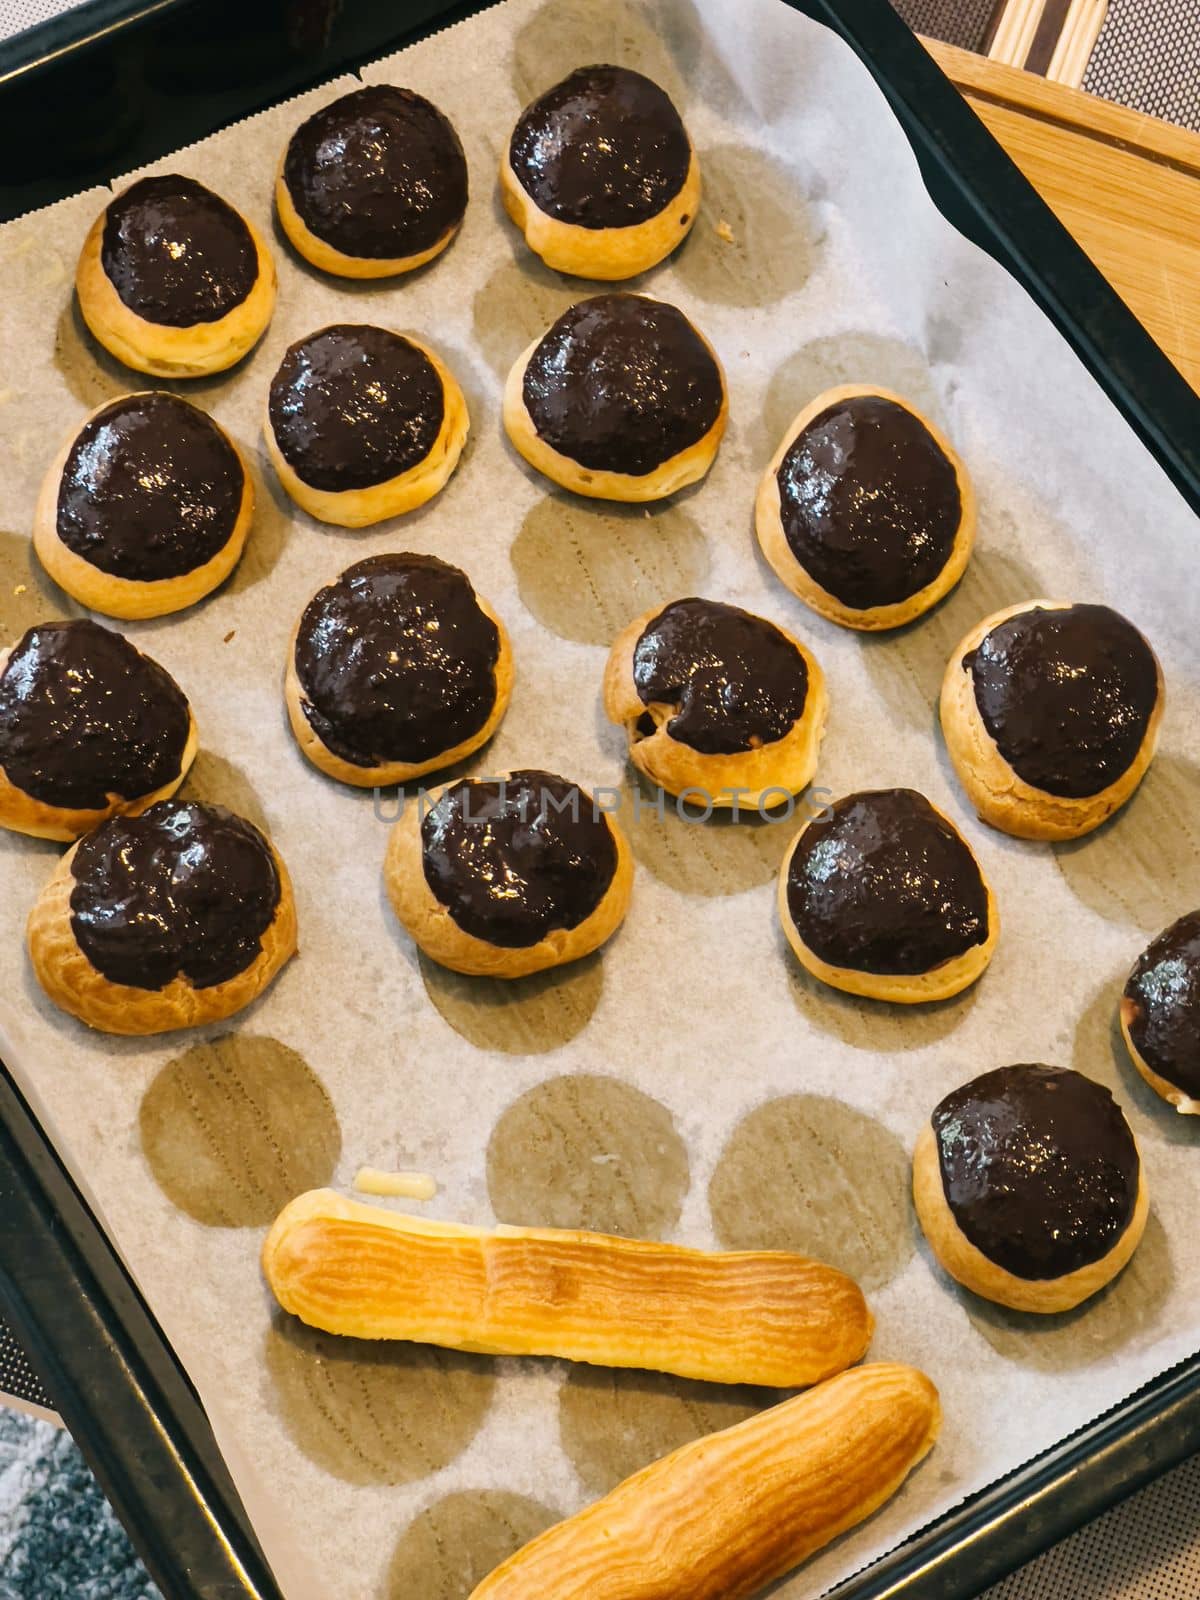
(715, 699)
(172, 280)
(1160, 1014)
(396, 668)
(509, 875)
(623, 399)
(373, 185)
(89, 727)
(363, 424)
(1029, 1186)
(881, 896)
(145, 509)
(179, 916)
(866, 512)
(600, 175)
(1050, 713)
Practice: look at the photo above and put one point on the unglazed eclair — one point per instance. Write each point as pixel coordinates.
(764, 1317)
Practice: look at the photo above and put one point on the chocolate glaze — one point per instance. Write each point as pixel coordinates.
(396, 661)
(1162, 1005)
(1066, 695)
(621, 383)
(603, 149)
(737, 681)
(176, 253)
(84, 716)
(869, 502)
(881, 883)
(353, 405)
(151, 489)
(1039, 1168)
(378, 174)
(509, 864)
(184, 889)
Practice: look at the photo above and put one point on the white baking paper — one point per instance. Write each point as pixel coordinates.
(836, 267)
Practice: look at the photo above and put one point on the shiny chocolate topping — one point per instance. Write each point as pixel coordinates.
(869, 502)
(603, 149)
(1162, 1005)
(176, 253)
(1066, 695)
(183, 890)
(513, 859)
(737, 681)
(396, 661)
(353, 405)
(1039, 1168)
(378, 174)
(882, 883)
(151, 489)
(84, 717)
(621, 384)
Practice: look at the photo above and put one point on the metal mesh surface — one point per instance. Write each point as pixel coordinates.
(17, 1377)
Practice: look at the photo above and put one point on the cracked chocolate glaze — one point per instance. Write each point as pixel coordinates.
(184, 890)
(511, 861)
(1066, 695)
(396, 661)
(1039, 1168)
(151, 489)
(869, 502)
(882, 883)
(621, 383)
(1162, 1005)
(605, 148)
(354, 405)
(736, 681)
(176, 253)
(85, 717)
(379, 174)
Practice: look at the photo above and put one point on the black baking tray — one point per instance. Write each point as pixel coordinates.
(119, 82)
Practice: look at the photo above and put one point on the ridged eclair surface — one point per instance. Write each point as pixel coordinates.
(761, 1317)
(726, 1515)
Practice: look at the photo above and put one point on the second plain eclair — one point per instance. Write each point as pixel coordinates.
(762, 1317)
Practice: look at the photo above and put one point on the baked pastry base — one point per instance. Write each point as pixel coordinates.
(429, 923)
(768, 525)
(327, 258)
(905, 989)
(129, 598)
(970, 1267)
(785, 766)
(1170, 1092)
(608, 254)
(323, 758)
(993, 788)
(687, 466)
(77, 987)
(358, 508)
(165, 351)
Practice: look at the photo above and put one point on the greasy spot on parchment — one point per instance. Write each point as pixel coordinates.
(774, 235)
(879, 1025)
(89, 372)
(710, 856)
(517, 305)
(584, 573)
(1143, 866)
(615, 1422)
(1099, 1051)
(214, 781)
(236, 1127)
(814, 1175)
(565, 34)
(375, 1412)
(39, 599)
(588, 1152)
(452, 1545)
(1111, 1322)
(520, 1016)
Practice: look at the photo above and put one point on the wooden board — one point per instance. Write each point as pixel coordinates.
(1125, 184)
